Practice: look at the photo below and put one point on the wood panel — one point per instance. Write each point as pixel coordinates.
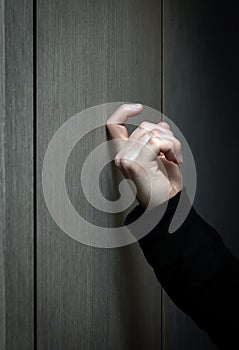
(2, 177)
(89, 53)
(200, 80)
(16, 175)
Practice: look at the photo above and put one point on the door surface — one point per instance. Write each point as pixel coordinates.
(57, 59)
(90, 53)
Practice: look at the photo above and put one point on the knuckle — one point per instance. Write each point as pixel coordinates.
(153, 139)
(124, 162)
(156, 134)
(129, 165)
(156, 131)
(171, 145)
(124, 106)
(108, 122)
(170, 132)
(178, 144)
(133, 167)
(166, 124)
(117, 160)
(167, 127)
(166, 141)
(143, 125)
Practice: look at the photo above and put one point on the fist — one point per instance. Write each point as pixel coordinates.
(150, 156)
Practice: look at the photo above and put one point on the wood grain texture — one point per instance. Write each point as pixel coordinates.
(2, 178)
(89, 53)
(16, 175)
(200, 88)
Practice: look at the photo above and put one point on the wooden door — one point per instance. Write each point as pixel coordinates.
(59, 58)
(90, 53)
(16, 176)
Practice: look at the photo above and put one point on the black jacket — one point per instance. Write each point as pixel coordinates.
(196, 270)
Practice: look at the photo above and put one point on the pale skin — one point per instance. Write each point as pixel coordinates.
(150, 156)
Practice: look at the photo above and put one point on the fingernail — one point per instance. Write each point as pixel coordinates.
(137, 105)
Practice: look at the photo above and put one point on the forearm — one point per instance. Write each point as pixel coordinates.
(196, 270)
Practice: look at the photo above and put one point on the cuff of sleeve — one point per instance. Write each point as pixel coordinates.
(170, 209)
(159, 246)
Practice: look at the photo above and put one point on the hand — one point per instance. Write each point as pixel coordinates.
(149, 156)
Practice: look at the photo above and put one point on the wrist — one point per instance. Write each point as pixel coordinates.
(158, 198)
(174, 191)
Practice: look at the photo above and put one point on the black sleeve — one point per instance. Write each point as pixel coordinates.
(196, 270)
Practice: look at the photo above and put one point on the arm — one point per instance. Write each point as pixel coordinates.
(197, 271)
(193, 265)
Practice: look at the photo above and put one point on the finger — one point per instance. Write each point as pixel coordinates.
(177, 148)
(130, 146)
(165, 125)
(115, 124)
(139, 132)
(154, 147)
(127, 161)
(131, 149)
(160, 144)
(160, 127)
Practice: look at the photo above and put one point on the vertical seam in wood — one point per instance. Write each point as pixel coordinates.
(2, 175)
(35, 168)
(162, 72)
